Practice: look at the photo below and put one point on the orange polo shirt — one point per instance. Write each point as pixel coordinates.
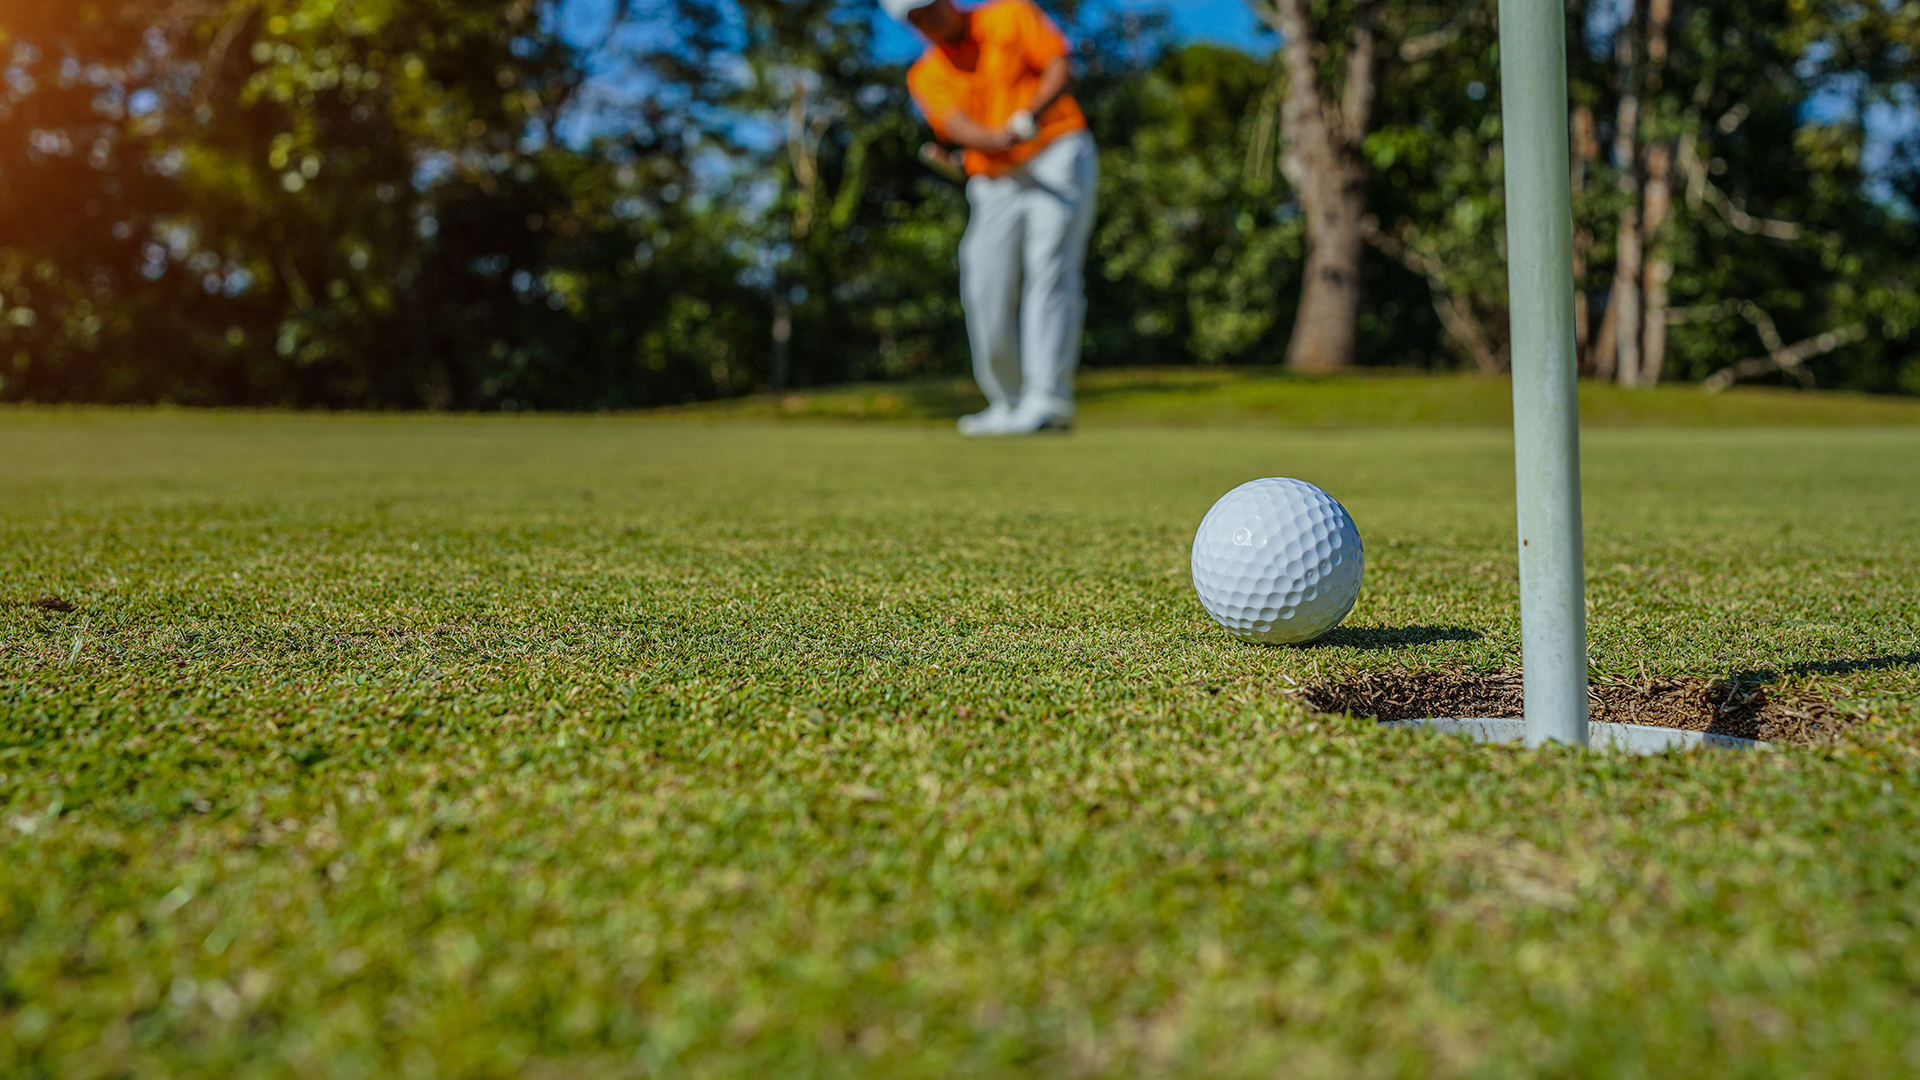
(991, 75)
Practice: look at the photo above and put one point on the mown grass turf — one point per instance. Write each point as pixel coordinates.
(1272, 397)
(614, 747)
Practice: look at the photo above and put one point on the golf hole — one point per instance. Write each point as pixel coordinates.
(1724, 709)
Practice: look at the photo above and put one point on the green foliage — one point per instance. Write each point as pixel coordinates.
(715, 749)
(408, 203)
(1437, 187)
(1203, 262)
(1745, 73)
(865, 254)
(355, 204)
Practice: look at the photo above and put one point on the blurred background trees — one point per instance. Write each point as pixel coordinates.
(480, 204)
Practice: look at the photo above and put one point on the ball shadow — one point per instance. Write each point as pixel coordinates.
(1390, 637)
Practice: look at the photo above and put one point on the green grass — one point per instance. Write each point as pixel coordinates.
(1271, 397)
(536, 747)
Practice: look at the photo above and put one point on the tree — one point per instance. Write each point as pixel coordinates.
(312, 202)
(858, 243)
(1737, 197)
(451, 204)
(1194, 258)
(82, 179)
(1436, 199)
(1724, 225)
(1324, 121)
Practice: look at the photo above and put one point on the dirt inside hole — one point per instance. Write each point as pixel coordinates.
(1733, 706)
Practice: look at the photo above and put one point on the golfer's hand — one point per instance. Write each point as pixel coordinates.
(1018, 129)
(973, 135)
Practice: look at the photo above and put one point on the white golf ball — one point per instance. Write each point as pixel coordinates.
(1277, 561)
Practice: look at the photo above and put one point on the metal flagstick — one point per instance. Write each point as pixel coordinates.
(1546, 424)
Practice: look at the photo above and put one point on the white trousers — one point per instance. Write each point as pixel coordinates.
(1021, 278)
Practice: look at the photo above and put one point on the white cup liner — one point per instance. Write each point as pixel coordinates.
(1632, 738)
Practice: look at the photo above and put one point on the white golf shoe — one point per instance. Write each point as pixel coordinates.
(990, 421)
(1039, 412)
(1035, 413)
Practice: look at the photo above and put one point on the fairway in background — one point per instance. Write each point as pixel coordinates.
(1138, 397)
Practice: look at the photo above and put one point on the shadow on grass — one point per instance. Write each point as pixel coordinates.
(1391, 637)
(1096, 385)
(1827, 667)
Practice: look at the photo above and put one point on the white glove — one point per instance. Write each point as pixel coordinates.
(1022, 125)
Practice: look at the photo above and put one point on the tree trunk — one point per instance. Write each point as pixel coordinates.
(1618, 348)
(803, 151)
(1653, 341)
(1585, 144)
(1620, 330)
(782, 337)
(1657, 201)
(1325, 328)
(1322, 159)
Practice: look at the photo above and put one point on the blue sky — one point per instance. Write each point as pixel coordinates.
(1228, 22)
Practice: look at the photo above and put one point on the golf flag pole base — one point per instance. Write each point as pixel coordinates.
(1620, 738)
(1546, 422)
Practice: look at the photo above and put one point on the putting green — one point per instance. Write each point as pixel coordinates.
(619, 746)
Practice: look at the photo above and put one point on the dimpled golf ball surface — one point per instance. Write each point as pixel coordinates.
(1277, 561)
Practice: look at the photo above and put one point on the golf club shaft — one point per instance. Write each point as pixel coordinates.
(934, 157)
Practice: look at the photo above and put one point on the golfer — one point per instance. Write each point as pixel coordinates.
(994, 82)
